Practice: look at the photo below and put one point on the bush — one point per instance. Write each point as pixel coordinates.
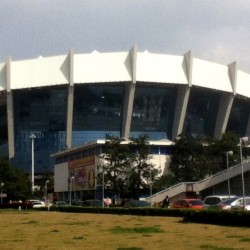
(216, 217)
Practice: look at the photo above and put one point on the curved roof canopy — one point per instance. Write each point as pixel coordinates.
(123, 67)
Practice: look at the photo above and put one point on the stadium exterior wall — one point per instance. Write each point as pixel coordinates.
(73, 99)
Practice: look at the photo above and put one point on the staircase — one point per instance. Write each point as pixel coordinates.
(200, 185)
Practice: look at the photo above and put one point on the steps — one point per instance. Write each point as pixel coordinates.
(200, 185)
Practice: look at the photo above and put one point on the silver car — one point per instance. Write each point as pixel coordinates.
(240, 206)
(229, 203)
(212, 200)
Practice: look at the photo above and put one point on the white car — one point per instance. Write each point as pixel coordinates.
(38, 204)
(240, 206)
(212, 200)
(232, 202)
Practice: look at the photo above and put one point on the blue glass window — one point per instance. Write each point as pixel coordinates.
(3, 126)
(41, 112)
(201, 112)
(238, 118)
(97, 112)
(153, 111)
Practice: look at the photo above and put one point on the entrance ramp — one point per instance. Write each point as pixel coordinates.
(197, 187)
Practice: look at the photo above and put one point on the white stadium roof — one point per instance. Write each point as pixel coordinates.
(123, 67)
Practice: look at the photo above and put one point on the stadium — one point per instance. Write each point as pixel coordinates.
(70, 100)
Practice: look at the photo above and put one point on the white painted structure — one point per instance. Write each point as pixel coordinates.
(129, 69)
(123, 66)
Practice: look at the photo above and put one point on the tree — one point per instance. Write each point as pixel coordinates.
(188, 160)
(194, 159)
(142, 172)
(126, 166)
(115, 164)
(17, 185)
(164, 182)
(216, 152)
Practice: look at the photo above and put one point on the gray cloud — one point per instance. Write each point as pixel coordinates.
(216, 30)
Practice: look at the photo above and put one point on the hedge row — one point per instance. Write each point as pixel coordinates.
(216, 217)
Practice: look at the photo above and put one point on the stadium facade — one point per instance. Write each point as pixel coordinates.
(73, 99)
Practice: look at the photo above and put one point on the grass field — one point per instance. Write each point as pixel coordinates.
(54, 230)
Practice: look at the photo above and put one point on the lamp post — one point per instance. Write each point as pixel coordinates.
(103, 186)
(46, 191)
(150, 185)
(32, 161)
(228, 178)
(70, 189)
(2, 184)
(243, 140)
(102, 172)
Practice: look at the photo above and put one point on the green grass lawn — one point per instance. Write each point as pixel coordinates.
(55, 230)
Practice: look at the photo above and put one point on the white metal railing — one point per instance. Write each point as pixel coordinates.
(200, 185)
(222, 176)
(171, 191)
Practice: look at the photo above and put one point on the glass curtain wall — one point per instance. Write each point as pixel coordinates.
(239, 115)
(201, 113)
(3, 127)
(41, 112)
(97, 112)
(153, 111)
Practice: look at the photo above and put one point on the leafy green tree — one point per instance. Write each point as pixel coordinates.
(163, 182)
(115, 164)
(142, 174)
(188, 160)
(17, 185)
(194, 159)
(216, 152)
(126, 166)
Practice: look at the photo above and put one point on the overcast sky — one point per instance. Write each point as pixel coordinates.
(215, 30)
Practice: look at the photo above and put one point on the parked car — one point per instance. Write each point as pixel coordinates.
(240, 205)
(60, 203)
(215, 199)
(38, 204)
(17, 204)
(229, 203)
(136, 203)
(188, 203)
(77, 203)
(92, 203)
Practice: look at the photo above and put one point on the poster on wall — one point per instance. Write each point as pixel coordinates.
(82, 173)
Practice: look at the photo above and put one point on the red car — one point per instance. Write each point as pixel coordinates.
(188, 203)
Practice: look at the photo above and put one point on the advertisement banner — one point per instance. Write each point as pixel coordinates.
(82, 173)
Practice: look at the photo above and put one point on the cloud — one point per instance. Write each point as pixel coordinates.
(217, 30)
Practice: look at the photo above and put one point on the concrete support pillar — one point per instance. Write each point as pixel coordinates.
(129, 96)
(180, 110)
(70, 106)
(232, 71)
(183, 97)
(188, 58)
(10, 111)
(226, 103)
(248, 127)
(224, 110)
(128, 110)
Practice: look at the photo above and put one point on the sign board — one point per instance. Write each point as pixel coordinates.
(84, 172)
(3, 195)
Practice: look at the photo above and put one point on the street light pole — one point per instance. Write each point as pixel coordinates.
(46, 191)
(2, 184)
(32, 161)
(228, 177)
(242, 140)
(70, 189)
(103, 186)
(150, 183)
